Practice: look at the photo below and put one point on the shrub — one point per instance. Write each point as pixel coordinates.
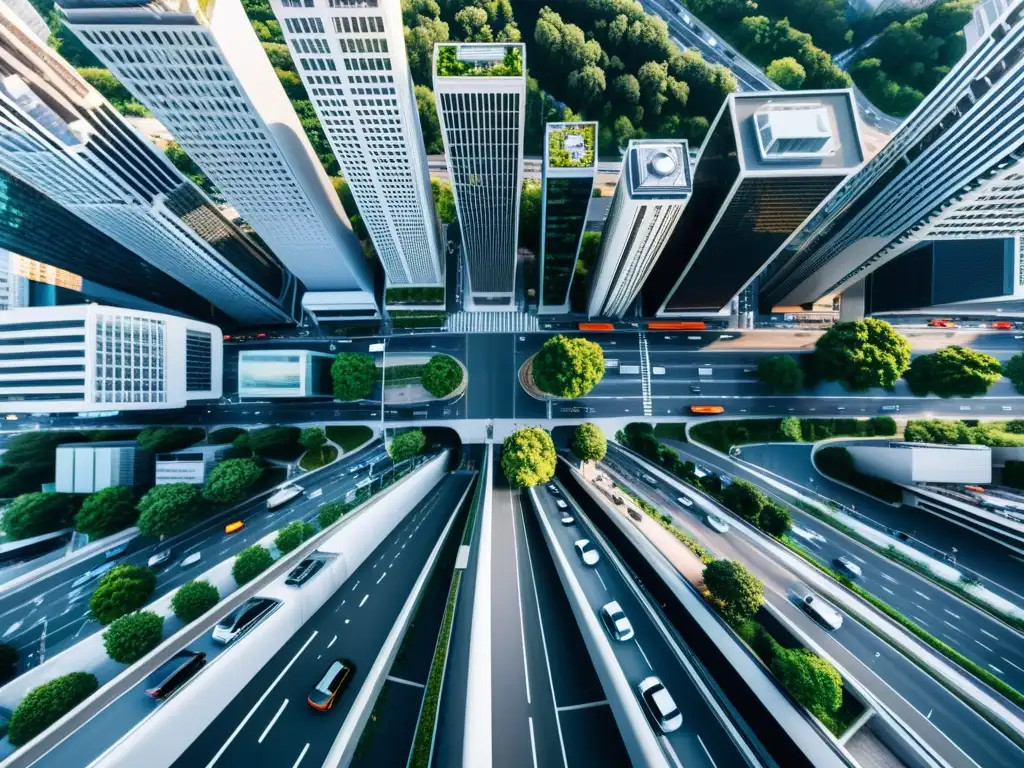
(229, 480)
(811, 679)
(33, 514)
(407, 444)
(225, 435)
(47, 703)
(131, 637)
(528, 457)
(1014, 371)
(193, 599)
(353, 374)
(107, 511)
(737, 589)
(332, 513)
(166, 439)
(789, 429)
(781, 373)
(953, 372)
(442, 375)
(32, 458)
(568, 367)
(590, 444)
(123, 590)
(745, 500)
(775, 519)
(312, 438)
(292, 535)
(8, 661)
(275, 442)
(167, 510)
(250, 563)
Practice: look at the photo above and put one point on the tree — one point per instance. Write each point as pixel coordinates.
(787, 73)
(107, 511)
(167, 510)
(589, 442)
(313, 438)
(812, 680)
(8, 662)
(528, 457)
(1014, 371)
(47, 703)
(862, 354)
(275, 442)
(791, 430)
(782, 373)
(122, 590)
(33, 514)
(953, 372)
(32, 455)
(423, 28)
(407, 444)
(292, 535)
(444, 200)
(250, 563)
(229, 480)
(587, 84)
(473, 22)
(442, 375)
(529, 216)
(131, 637)
(193, 599)
(354, 374)
(639, 436)
(568, 367)
(737, 589)
(745, 500)
(167, 439)
(775, 519)
(331, 513)
(429, 122)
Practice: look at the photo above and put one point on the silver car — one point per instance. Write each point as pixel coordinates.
(587, 552)
(616, 622)
(660, 705)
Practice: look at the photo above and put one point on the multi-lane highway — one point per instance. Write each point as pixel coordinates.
(269, 722)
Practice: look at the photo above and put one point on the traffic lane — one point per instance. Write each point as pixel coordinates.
(493, 386)
(647, 653)
(352, 624)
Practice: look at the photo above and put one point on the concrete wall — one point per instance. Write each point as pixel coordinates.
(1002, 455)
(925, 463)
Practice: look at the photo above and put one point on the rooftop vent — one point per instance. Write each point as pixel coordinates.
(794, 132)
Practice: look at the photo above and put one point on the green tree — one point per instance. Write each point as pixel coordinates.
(122, 590)
(229, 480)
(782, 373)
(32, 457)
(589, 442)
(812, 680)
(775, 519)
(568, 366)
(276, 442)
(354, 374)
(167, 510)
(442, 375)
(473, 23)
(745, 500)
(292, 535)
(1014, 371)
(331, 513)
(791, 430)
(737, 589)
(862, 354)
(407, 444)
(529, 216)
(8, 662)
(107, 511)
(279, 56)
(953, 372)
(167, 439)
(528, 457)
(33, 514)
(444, 200)
(47, 703)
(250, 563)
(787, 73)
(193, 599)
(423, 28)
(313, 438)
(429, 122)
(131, 637)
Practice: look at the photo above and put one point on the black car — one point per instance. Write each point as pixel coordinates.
(304, 571)
(174, 673)
(242, 618)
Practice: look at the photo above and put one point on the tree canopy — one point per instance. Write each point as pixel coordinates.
(782, 373)
(33, 514)
(444, 200)
(528, 457)
(229, 480)
(568, 366)
(353, 374)
(737, 589)
(775, 519)
(122, 590)
(1014, 371)
(107, 511)
(442, 375)
(32, 457)
(131, 637)
(193, 599)
(274, 442)
(862, 354)
(589, 442)
(953, 372)
(292, 535)
(167, 439)
(745, 500)
(812, 680)
(250, 563)
(167, 510)
(47, 703)
(787, 72)
(313, 438)
(407, 444)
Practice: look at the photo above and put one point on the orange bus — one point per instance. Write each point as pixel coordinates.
(596, 327)
(680, 325)
(706, 410)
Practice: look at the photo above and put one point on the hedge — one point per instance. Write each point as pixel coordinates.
(131, 637)
(193, 599)
(47, 703)
(414, 295)
(417, 319)
(723, 434)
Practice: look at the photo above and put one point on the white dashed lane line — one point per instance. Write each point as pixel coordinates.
(365, 598)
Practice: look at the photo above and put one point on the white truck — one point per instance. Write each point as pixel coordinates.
(704, 371)
(630, 369)
(283, 496)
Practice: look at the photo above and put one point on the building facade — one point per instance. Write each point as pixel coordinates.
(201, 70)
(264, 373)
(901, 462)
(91, 467)
(654, 187)
(189, 465)
(568, 173)
(480, 90)
(952, 170)
(351, 58)
(60, 137)
(768, 162)
(89, 357)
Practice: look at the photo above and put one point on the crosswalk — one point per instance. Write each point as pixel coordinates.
(645, 375)
(492, 322)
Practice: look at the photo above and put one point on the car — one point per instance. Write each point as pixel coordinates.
(807, 535)
(11, 417)
(615, 621)
(649, 479)
(730, 54)
(1007, 407)
(337, 677)
(819, 610)
(117, 551)
(965, 407)
(303, 572)
(684, 501)
(552, 489)
(750, 370)
(568, 519)
(561, 504)
(712, 42)
(845, 564)
(242, 619)
(660, 705)
(890, 409)
(93, 574)
(173, 674)
(693, 338)
(587, 552)
(234, 526)
(189, 560)
(160, 559)
(695, 389)
(716, 523)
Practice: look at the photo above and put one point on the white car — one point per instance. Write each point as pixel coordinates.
(712, 42)
(568, 519)
(684, 501)
(587, 552)
(716, 523)
(965, 407)
(561, 504)
(242, 619)
(159, 559)
(615, 621)
(806, 535)
(660, 705)
(844, 563)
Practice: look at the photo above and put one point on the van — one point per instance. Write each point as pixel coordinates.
(657, 371)
(815, 607)
(890, 409)
(633, 370)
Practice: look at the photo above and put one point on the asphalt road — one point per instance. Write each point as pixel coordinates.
(949, 725)
(701, 740)
(281, 729)
(65, 607)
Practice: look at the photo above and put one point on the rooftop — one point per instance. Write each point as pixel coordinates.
(657, 169)
(572, 145)
(478, 60)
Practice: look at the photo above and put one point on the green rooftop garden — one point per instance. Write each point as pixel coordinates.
(448, 65)
(565, 150)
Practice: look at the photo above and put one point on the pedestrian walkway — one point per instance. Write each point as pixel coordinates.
(492, 322)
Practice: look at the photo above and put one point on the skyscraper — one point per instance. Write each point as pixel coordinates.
(570, 165)
(201, 70)
(351, 57)
(480, 90)
(768, 161)
(59, 137)
(654, 186)
(953, 170)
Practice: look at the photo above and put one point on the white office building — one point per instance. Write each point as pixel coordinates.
(264, 373)
(91, 467)
(909, 463)
(201, 70)
(351, 58)
(88, 357)
(654, 187)
(189, 465)
(953, 170)
(480, 90)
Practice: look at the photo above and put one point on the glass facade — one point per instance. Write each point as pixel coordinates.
(198, 361)
(129, 360)
(565, 215)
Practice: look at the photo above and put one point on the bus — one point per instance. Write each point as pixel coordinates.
(938, 323)
(1003, 325)
(975, 488)
(706, 410)
(677, 325)
(283, 496)
(596, 327)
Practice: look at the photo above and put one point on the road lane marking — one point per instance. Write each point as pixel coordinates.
(671, 752)
(272, 721)
(302, 754)
(713, 765)
(403, 681)
(262, 698)
(984, 646)
(533, 744)
(643, 654)
(588, 705)
(888, 578)
(921, 594)
(365, 598)
(1009, 662)
(333, 638)
(989, 634)
(997, 669)
(382, 577)
(601, 580)
(919, 620)
(889, 591)
(519, 599)
(921, 607)
(951, 613)
(354, 587)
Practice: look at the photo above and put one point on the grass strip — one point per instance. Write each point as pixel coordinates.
(349, 436)
(316, 459)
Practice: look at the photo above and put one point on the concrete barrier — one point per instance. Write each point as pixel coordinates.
(161, 745)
